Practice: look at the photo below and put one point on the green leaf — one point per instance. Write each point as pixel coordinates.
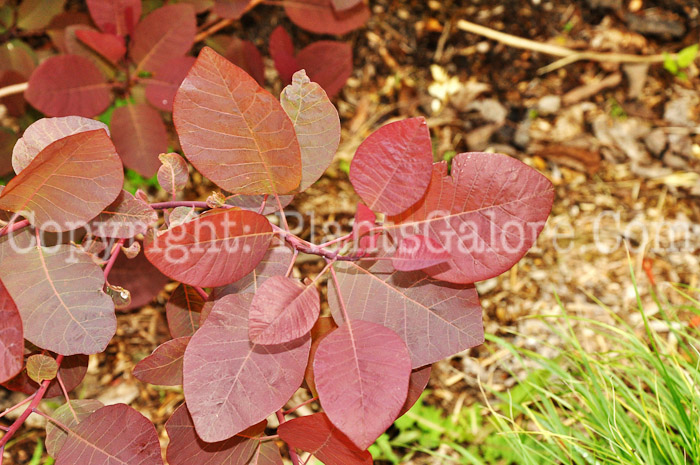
(670, 64)
(687, 56)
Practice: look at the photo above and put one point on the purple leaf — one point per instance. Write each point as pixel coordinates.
(233, 9)
(418, 252)
(68, 85)
(215, 110)
(164, 365)
(74, 46)
(435, 319)
(115, 16)
(55, 436)
(173, 173)
(161, 88)
(231, 383)
(43, 132)
(318, 436)
(11, 337)
(391, 168)
(60, 284)
(364, 220)
(316, 123)
(361, 371)
(212, 250)
(487, 214)
(116, 434)
(186, 448)
(183, 311)
(139, 135)
(126, 217)
(283, 310)
(67, 183)
(164, 34)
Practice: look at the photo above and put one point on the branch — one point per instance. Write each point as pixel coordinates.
(13, 89)
(569, 55)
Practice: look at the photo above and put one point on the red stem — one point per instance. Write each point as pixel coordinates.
(65, 394)
(18, 405)
(307, 402)
(292, 453)
(12, 227)
(113, 257)
(201, 292)
(23, 417)
(340, 297)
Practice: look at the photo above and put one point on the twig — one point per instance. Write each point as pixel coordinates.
(213, 29)
(569, 55)
(292, 453)
(113, 257)
(13, 89)
(202, 293)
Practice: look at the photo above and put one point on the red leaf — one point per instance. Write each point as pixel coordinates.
(434, 318)
(416, 385)
(162, 86)
(365, 220)
(320, 17)
(183, 311)
(275, 262)
(233, 9)
(267, 453)
(323, 326)
(173, 173)
(164, 34)
(246, 56)
(266, 377)
(68, 85)
(212, 250)
(126, 217)
(113, 434)
(67, 183)
(74, 46)
(11, 337)
(115, 16)
(328, 63)
(186, 448)
(253, 202)
(282, 53)
(418, 252)
(341, 5)
(139, 277)
(164, 365)
(487, 214)
(283, 310)
(317, 435)
(317, 126)
(391, 168)
(72, 372)
(139, 135)
(215, 109)
(361, 371)
(43, 132)
(110, 46)
(81, 315)
(55, 436)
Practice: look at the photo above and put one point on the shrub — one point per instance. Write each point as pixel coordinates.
(401, 285)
